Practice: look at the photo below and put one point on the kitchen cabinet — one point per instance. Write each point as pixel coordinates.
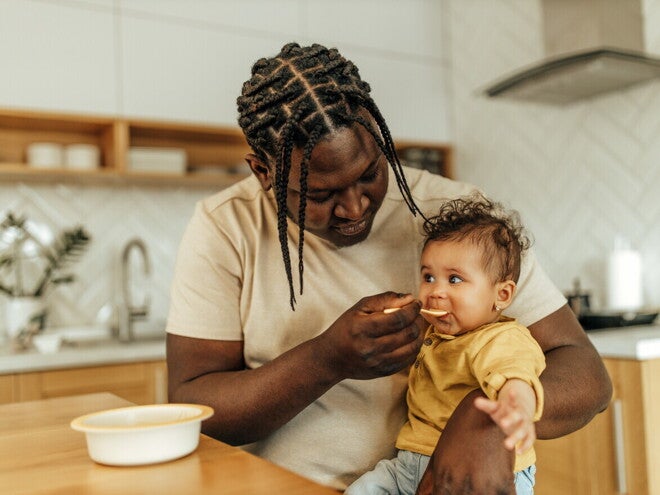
(141, 383)
(214, 154)
(7, 391)
(619, 451)
(60, 55)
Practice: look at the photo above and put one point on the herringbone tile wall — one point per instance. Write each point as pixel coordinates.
(113, 216)
(579, 174)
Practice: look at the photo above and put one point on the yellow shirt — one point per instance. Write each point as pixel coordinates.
(449, 367)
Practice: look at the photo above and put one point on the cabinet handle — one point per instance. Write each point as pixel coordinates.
(619, 446)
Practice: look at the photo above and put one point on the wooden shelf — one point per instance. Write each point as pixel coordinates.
(215, 154)
(435, 157)
(22, 173)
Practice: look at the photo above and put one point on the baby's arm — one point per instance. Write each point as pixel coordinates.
(513, 412)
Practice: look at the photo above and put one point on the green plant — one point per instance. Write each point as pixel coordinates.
(65, 249)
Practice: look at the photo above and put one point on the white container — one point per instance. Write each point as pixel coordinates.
(47, 342)
(163, 160)
(82, 157)
(24, 315)
(132, 436)
(624, 278)
(45, 155)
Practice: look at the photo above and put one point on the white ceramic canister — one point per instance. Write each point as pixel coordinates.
(45, 155)
(624, 277)
(24, 314)
(82, 156)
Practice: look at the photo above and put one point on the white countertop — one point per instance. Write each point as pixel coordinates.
(96, 354)
(634, 342)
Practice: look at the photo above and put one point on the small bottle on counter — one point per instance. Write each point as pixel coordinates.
(624, 277)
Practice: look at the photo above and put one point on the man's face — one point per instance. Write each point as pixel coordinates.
(346, 184)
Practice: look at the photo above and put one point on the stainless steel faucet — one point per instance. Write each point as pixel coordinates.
(130, 312)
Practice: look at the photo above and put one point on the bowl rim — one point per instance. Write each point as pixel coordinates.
(79, 423)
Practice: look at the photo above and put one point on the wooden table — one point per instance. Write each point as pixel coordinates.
(40, 454)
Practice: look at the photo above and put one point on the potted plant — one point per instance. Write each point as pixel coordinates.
(29, 267)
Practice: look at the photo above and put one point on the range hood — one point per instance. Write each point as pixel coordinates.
(592, 47)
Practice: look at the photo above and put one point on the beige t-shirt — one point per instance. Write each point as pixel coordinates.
(230, 284)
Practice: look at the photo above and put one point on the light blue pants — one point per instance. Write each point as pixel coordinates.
(401, 476)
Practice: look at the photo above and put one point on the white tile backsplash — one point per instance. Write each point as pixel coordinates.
(113, 216)
(580, 174)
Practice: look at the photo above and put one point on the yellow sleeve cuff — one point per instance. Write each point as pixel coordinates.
(495, 381)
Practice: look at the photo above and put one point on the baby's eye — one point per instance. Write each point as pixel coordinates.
(455, 279)
(428, 278)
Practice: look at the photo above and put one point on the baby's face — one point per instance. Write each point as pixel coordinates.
(453, 279)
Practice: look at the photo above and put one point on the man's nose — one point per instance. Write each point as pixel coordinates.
(351, 203)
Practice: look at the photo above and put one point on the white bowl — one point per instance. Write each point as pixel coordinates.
(47, 342)
(132, 436)
(45, 155)
(82, 156)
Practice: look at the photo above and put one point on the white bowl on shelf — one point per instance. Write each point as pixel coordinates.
(137, 435)
(82, 156)
(45, 155)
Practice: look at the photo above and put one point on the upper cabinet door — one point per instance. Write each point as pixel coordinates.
(188, 60)
(57, 56)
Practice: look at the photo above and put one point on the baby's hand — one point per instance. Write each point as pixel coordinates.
(513, 412)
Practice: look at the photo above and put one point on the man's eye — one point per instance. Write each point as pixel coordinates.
(371, 175)
(455, 279)
(319, 199)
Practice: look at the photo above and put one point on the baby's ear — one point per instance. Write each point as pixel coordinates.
(505, 292)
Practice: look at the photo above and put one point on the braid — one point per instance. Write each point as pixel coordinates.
(304, 169)
(292, 101)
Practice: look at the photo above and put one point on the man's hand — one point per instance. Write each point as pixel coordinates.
(365, 342)
(470, 457)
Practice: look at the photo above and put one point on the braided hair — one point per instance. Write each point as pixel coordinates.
(295, 99)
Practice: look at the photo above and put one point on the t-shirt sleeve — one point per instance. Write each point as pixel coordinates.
(536, 295)
(513, 353)
(205, 292)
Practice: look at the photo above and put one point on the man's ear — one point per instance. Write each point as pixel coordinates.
(260, 171)
(504, 295)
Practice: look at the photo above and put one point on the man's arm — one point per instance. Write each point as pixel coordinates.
(575, 381)
(249, 404)
(470, 454)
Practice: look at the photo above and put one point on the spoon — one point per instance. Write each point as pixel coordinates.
(433, 312)
(430, 312)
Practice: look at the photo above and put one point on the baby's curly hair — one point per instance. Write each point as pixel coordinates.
(488, 225)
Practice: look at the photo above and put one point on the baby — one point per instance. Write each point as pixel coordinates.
(470, 265)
